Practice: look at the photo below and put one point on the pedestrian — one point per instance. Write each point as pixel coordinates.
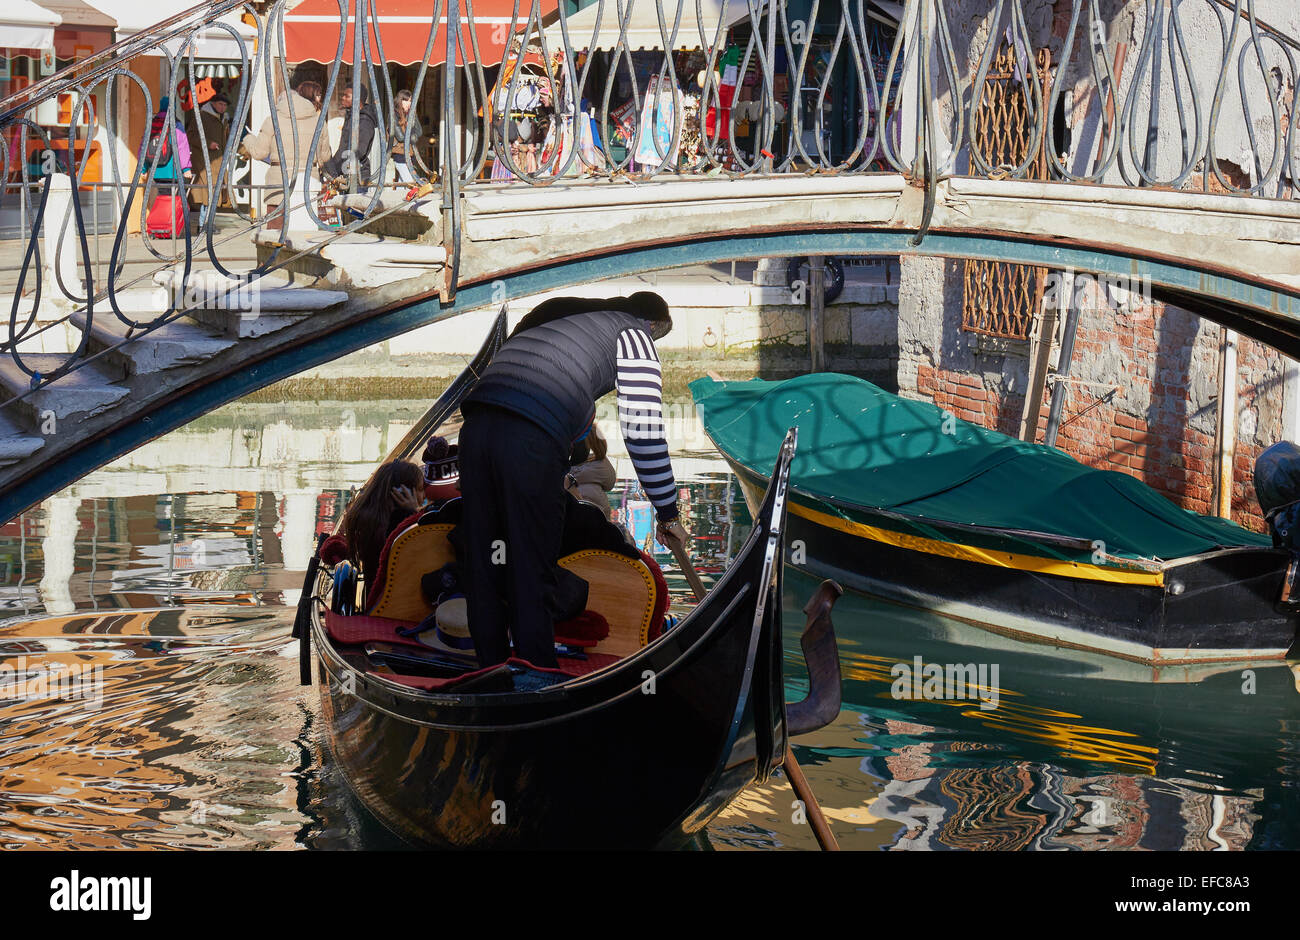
(367, 122)
(207, 126)
(172, 151)
(405, 119)
(298, 109)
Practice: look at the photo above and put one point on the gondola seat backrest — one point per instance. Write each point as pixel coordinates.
(630, 593)
(411, 552)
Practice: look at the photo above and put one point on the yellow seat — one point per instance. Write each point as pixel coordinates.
(621, 589)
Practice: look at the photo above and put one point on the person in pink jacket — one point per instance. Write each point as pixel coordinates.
(178, 153)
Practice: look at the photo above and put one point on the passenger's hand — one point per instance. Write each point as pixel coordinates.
(406, 499)
(666, 531)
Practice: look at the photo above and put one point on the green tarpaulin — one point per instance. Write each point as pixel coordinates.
(861, 445)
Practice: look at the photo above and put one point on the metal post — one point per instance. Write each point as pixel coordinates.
(358, 34)
(1063, 364)
(768, 135)
(1226, 432)
(816, 313)
(451, 166)
(1039, 358)
(1152, 152)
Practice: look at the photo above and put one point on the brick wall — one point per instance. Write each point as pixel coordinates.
(1159, 425)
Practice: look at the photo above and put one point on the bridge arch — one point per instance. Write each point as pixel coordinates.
(1265, 310)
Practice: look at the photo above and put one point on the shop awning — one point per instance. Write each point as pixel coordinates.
(78, 13)
(643, 24)
(212, 43)
(311, 31)
(24, 25)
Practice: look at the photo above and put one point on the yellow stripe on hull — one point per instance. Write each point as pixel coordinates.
(982, 556)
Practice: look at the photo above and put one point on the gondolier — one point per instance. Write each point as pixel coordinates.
(535, 400)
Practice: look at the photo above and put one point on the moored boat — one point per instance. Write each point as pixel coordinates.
(638, 742)
(903, 500)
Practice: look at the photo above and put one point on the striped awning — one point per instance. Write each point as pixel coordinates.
(311, 31)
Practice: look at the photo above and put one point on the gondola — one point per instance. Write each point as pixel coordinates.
(902, 500)
(641, 751)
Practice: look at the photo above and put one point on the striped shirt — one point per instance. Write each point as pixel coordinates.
(641, 419)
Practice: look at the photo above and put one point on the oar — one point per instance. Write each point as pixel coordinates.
(678, 548)
(825, 838)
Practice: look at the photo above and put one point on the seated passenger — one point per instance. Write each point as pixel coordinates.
(591, 476)
(441, 471)
(393, 493)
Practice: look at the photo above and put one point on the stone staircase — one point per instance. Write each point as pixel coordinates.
(320, 280)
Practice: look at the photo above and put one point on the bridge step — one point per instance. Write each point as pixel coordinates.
(407, 222)
(16, 442)
(355, 260)
(178, 343)
(241, 311)
(85, 391)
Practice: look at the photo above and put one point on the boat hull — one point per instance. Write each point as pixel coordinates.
(1218, 607)
(640, 755)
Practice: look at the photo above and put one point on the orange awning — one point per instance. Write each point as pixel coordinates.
(311, 31)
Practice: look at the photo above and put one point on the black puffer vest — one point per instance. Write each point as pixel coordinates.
(552, 373)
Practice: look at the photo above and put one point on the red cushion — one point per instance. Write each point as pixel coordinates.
(580, 667)
(362, 628)
(334, 550)
(586, 629)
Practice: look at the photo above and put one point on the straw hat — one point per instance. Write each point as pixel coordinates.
(451, 634)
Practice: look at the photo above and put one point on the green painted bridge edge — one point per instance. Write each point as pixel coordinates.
(283, 363)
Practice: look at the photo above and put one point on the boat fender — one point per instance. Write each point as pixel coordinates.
(834, 283)
(1277, 487)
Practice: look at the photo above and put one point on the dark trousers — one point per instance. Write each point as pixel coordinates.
(512, 484)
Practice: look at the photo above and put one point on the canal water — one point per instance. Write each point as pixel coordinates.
(166, 583)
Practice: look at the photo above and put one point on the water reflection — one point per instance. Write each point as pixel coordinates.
(1079, 754)
(175, 571)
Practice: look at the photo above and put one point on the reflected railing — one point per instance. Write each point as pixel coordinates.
(858, 87)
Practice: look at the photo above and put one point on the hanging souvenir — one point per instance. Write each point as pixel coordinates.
(655, 131)
(728, 78)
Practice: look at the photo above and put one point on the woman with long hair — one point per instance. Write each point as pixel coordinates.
(390, 495)
(405, 116)
(300, 107)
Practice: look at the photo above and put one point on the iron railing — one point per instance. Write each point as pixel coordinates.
(845, 91)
